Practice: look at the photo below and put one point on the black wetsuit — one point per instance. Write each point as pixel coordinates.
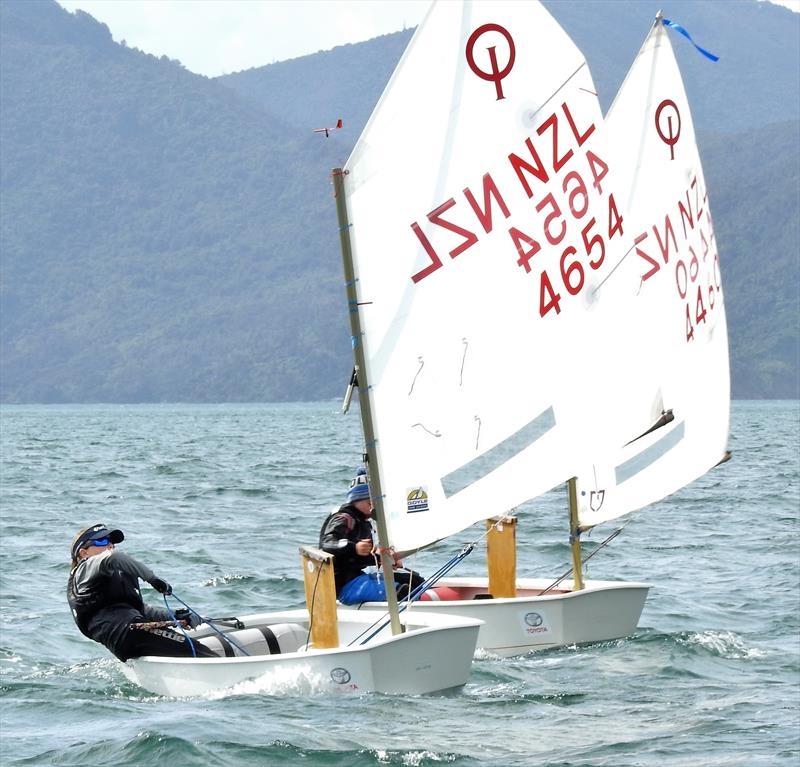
(339, 534)
(103, 594)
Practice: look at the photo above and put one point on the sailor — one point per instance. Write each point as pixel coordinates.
(103, 594)
(347, 534)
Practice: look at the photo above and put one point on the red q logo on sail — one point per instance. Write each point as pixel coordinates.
(668, 131)
(495, 74)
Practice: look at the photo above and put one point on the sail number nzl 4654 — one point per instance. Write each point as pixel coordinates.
(568, 217)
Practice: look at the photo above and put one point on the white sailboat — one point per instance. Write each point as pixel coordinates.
(492, 277)
(676, 401)
(275, 651)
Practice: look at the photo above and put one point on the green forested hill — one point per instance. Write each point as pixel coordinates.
(161, 237)
(166, 237)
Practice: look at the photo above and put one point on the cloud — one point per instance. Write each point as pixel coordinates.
(214, 37)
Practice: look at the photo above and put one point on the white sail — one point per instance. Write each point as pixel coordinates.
(672, 365)
(482, 217)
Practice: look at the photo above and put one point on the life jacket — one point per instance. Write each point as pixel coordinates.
(118, 588)
(353, 518)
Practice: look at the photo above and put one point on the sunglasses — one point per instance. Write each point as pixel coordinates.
(98, 542)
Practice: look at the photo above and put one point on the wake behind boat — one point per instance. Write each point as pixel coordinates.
(509, 336)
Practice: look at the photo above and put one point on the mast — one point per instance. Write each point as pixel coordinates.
(575, 534)
(360, 372)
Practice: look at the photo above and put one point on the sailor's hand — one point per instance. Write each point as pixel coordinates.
(188, 617)
(161, 586)
(364, 547)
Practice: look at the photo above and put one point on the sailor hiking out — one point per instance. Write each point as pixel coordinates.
(106, 603)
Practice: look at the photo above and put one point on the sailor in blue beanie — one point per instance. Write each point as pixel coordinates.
(347, 534)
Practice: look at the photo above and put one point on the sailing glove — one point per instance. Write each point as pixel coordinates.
(161, 586)
(192, 618)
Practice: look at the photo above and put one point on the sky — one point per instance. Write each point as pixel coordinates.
(215, 37)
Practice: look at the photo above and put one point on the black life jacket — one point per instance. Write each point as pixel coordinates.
(118, 588)
(354, 518)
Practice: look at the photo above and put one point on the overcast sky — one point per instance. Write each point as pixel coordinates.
(214, 37)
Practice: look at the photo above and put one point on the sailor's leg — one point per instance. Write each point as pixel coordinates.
(163, 641)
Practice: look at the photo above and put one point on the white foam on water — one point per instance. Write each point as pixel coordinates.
(726, 644)
(222, 580)
(412, 758)
(280, 681)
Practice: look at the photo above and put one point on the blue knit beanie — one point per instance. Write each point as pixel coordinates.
(359, 488)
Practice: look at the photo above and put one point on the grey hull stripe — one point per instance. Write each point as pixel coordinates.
(479, 467)
(650, 455)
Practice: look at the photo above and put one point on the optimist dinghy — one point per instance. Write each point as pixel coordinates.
(433, 653)
(322, 649)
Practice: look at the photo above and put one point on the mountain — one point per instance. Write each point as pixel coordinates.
(152, 229)
(169, 237)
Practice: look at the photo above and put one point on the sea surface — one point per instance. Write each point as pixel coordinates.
(217, 499)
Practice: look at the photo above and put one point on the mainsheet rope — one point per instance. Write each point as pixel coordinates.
(466, 550)
(208, 621)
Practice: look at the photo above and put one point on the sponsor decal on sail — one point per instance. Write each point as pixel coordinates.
(417, 500)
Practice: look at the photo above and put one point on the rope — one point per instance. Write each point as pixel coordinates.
(417, 593)
(583, 561)
(209, 623)
(179, 626)
(311, 611)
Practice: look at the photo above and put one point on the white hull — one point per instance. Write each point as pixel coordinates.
(435, 653)
(514, 626)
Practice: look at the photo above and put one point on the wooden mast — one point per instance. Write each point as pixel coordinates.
(373, 473)
(575, 535)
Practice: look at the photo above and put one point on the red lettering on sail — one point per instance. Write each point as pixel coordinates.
(490, 191)
(681, 280)
(663, 245)
(596, 163)
(548, 298)
(696, 273)
(698, 205)
(435, 217)
(686, 214)
(579, 137)
(537, 170)
(525, 254)
(551, 123)
(559, 215)
(436, 262)
(552, 237)
(578, 211)
(655, 266)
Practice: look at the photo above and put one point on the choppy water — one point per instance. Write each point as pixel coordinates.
(217, 499)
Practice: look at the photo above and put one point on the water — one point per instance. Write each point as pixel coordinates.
(217, 499)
